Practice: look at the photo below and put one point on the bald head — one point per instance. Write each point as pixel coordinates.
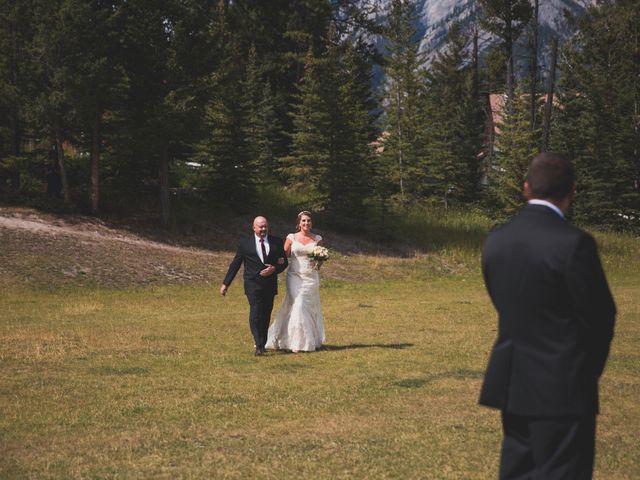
(260, 226)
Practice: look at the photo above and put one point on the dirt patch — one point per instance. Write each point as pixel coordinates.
(47, 250)
(42, 249)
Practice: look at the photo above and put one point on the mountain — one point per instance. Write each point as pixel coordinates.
(434, 17)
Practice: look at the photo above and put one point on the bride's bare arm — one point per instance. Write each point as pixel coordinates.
(287, 247)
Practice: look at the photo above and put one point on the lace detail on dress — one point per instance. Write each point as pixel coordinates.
(299, 323)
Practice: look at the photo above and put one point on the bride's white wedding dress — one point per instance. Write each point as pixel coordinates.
(299, 324)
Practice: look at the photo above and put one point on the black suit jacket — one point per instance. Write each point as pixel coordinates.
(247, 254)
(556, 316)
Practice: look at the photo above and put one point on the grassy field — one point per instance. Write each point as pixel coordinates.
(160, 382)
(107, 371)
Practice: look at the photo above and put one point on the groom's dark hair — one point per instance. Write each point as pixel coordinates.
(550, 175)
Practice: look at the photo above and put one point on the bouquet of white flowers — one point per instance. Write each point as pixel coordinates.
(318, 255)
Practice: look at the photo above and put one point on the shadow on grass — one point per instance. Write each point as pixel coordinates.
(353, 346)
(419, 382)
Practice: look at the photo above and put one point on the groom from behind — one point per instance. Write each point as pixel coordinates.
(263, 257)
(555, 325)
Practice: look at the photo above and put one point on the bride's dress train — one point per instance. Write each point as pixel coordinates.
(299, 324)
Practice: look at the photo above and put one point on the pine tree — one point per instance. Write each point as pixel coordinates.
(262, 126)
(352, 171)
(52, 108)
(455, 122)
(230, 175)
(282, 32)
(403, 94)
(331, 156)
(331, 184)
(597, 124)
(310, 142)
(506, 19)
(516, 145)
(16, 74)
(156, 121)
(230, 172)
(99, 82)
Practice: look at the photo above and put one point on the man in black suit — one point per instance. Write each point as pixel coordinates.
(556, 319)
(264, 257)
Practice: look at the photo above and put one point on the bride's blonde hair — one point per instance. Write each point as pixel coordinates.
(300, 215)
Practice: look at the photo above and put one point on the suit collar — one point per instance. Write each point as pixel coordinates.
(547, 204)
(542, 210)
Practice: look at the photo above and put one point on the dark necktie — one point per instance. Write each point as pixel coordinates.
(264, 251)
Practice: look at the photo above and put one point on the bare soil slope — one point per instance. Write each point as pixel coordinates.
(43, 249)
(46, 250)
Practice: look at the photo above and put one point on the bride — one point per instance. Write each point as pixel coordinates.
(299, 324)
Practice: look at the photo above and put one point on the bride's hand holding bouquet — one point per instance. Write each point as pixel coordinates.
(318, 256)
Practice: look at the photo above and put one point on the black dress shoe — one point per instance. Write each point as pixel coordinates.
(259, 352)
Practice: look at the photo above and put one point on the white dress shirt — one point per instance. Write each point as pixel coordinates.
(259, 248)
(537, 201)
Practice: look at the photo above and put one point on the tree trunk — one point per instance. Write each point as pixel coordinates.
(534, 63)
(16, 126)
(508, 44)
(16, 134)
(400, 140)
(163, 180)
(474, 61)
(95, 164)
(636, 113)
(16, 142)
(549, 102)
(62, 168)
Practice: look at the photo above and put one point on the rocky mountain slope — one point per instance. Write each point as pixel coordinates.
(434, 17)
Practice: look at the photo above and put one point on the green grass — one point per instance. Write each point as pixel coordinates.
(160, 382)
(454, 228)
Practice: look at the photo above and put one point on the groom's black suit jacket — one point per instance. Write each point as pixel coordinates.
(246, 253)
(556, 316)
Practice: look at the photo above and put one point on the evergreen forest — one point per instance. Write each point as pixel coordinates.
(125, 106)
